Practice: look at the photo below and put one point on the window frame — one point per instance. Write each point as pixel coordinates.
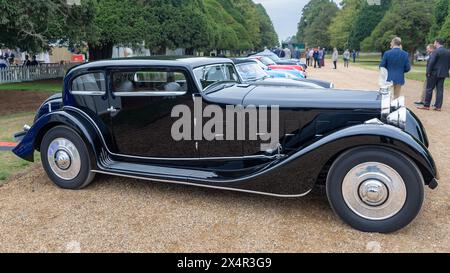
(149, 93)
(89, 93)
(198, 81)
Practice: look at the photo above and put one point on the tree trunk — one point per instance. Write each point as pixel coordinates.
(100, 52)
(411, 56)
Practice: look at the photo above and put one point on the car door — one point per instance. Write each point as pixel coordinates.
(141, 103)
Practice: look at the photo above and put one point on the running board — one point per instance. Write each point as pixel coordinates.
(203, 185)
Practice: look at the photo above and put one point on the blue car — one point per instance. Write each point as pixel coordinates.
(253, 69)
(289, 74)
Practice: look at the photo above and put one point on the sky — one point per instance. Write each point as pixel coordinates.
(285, 15)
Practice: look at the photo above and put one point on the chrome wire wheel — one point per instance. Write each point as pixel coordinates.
(64, 158)
(374, 191)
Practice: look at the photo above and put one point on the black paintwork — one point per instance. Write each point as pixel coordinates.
(315, 127)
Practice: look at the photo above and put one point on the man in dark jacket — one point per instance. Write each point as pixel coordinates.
(396, 61)
(316, 58)
(437, 71)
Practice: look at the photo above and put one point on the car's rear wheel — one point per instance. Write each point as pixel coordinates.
(66, 158)
(375, 189)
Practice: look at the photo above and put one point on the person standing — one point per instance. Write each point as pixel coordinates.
(335, 57)
(307, 56)
(346, 58)
(316, 57)
(27, 61)
(396, 61)
(323, 57)
(354, 56)
(320, 57)
(287, 53)
(430, 50)
(3, 62)
(311, 56)
(437, 71)
(34, 61)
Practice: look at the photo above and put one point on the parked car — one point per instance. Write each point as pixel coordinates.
(279, 61)
(252, 72)
(292, 74)
(117, 117)
(272, 65)
(422, 58)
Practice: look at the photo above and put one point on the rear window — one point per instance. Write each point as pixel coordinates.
(89, 83)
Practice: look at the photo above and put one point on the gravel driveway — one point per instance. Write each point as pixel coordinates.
(121, 215)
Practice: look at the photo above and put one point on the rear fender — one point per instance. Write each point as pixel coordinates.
(32, 140)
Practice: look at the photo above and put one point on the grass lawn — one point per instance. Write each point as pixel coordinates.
(10, 163)
(417, 72)
(51, 86)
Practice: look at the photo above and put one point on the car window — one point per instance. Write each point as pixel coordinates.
(149, 81)
(251, 71)
(89, 83)
(267, 60)
(211, 74)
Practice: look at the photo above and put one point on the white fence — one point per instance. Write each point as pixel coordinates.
(32, 73)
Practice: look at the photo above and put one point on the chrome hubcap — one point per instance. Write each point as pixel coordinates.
(374, 191)
(64, 158)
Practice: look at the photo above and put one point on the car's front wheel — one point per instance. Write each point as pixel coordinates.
(375, 189)
(66, 158)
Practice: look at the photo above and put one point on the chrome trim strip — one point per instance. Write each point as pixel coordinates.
(150, 94)
(164, 158)
(88, 93)
(203, 186)
(398, 103)
(386, 97)
(374, 121)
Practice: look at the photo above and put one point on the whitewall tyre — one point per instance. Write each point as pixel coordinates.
(375, 189)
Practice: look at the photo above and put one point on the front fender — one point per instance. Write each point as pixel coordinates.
(329, 147)
(32, 139)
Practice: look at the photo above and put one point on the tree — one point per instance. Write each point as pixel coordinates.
(315, 20)
(182, 24)
(445, 31)
(125, 22)
(368, 17)
(160, 24)
(31, 25)
(222, 26)
(441, 12)
(232, 25)
(341, 25)
(269, 37)
(407, 19)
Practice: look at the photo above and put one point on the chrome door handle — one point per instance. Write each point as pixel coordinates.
(112, 109)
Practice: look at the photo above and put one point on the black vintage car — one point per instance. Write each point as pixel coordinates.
(153, 119)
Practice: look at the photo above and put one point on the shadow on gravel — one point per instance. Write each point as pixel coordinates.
(316, 198)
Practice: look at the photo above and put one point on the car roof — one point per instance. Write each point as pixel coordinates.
(238, 61)
(183, 61)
